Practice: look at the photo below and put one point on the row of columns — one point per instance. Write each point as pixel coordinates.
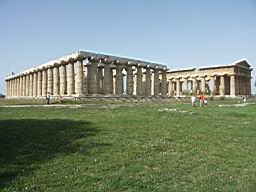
(215, 85)
(96, 77)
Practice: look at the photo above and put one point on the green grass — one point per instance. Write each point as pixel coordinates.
(128, 148)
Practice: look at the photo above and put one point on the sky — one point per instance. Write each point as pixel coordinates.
(177, 33)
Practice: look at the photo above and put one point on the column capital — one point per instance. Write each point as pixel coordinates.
(107, 60)
(141, 65)
(156, 68)
(80, 57)
(71, 60)
(112, 66)
(63, 62)
(93, 59)
(131, 64)
(56, 64)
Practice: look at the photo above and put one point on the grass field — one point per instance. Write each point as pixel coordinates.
(149, 147)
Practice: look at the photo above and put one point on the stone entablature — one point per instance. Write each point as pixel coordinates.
(87, 73)
(223, 80)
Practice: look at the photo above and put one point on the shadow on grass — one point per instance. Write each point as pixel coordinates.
(26, 143)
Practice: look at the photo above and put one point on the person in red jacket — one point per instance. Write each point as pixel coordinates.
(201, 99)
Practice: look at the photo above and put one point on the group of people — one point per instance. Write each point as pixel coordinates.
(202, 100)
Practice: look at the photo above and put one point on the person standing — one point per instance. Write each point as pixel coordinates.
(201, 99)
(193, 101)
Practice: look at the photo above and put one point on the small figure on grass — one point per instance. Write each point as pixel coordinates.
(193, 101)
(244, 99)
(202, 100)
(48, 97)
(205, 103)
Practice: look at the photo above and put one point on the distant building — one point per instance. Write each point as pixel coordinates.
(222, 80)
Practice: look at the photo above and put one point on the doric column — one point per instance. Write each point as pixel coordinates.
(114, 84)
(129, 86)
(237, 85)
(213, 86)
(222, 85)
(106, 81)
(49, 81)
(203, 84)
(170, 88)
(44, 82)
(148, 81)
(249, 86)
(24, 85)
(35, 83)
(56, 81)
(10, 82)
(20, 86)
(14, 84)
(39, 83)
(14, 87)
(139, 89)
(185, 84)
(232, 85)
(11, 87)
(111, 76)
(63, 79)
(79, 78)
(71, 78)
(93, 76)
(6, 88)
(31, 84)
(27, 84)
(178, 87)
(100, 79)
(164, 83)
(119, 79)
(244, 85)
(17, 86)
(194, 89)
(241, 85)
(156, 82)
(88, 80)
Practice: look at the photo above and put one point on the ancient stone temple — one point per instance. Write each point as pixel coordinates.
(223, 80)
(85, 73)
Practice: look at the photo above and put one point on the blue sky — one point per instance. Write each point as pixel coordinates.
(178, 33)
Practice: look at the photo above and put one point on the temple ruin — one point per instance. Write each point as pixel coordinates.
(83, 74)
(223, 80)
(89, 74)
